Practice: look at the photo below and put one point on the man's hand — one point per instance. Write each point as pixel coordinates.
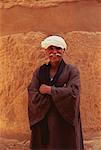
(45, 89)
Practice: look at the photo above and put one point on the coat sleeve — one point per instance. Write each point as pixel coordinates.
(67, 98)
(38, 104)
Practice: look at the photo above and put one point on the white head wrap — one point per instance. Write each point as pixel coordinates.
(54, 41)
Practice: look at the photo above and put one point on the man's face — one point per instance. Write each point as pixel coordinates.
(54, 53)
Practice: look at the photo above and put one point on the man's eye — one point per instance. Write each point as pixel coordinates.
(51, 48)
(58, 48)
(54, 48)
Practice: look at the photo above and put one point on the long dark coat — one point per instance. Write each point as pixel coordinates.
(55, 119)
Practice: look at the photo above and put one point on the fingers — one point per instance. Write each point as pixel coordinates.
(45, 89)
(42, 89)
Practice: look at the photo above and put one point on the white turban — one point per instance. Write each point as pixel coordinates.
(54, 41)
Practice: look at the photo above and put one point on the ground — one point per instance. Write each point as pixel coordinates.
(14, 144)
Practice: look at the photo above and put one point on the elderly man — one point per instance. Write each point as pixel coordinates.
(54, 99)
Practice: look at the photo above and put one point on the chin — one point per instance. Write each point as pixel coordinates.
(55, 61)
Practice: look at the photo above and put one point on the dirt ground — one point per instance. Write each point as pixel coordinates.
(14, 144)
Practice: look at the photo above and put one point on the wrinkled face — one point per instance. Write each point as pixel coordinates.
(55, 54)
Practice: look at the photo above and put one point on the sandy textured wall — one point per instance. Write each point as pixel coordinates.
(20, 54)
(32, 3)
(37, 3)
(18, 58)
(65, 17)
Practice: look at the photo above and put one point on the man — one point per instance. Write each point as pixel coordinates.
(54, 99)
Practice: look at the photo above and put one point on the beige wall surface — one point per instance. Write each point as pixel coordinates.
(64, 17)
(21, 31)
(35, 3)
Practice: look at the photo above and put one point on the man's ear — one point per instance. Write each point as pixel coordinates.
(46, 51)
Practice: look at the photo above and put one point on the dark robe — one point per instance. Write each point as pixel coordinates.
(55, 119)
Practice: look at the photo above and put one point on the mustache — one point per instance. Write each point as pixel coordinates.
(56, 54)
